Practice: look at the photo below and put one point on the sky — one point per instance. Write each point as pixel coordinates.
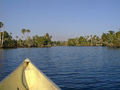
(63, 19)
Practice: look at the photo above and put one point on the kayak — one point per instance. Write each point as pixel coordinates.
(27, 77)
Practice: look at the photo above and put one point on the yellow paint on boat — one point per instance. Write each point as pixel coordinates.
(27, 77)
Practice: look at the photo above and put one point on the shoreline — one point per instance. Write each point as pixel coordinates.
(56, 46)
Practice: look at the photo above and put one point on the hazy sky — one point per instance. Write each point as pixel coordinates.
(62, 19)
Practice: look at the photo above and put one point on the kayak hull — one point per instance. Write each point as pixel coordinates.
(27, 77)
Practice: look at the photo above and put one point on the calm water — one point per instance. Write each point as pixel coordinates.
(71, 68)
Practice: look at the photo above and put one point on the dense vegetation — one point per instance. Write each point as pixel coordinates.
(111, 39)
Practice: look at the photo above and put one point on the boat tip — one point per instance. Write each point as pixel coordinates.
(27, 60)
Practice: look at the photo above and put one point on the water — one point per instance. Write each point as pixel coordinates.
(71, 68)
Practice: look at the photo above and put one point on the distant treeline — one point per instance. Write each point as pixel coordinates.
(111, 39)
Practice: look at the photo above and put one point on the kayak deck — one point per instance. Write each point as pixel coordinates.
(27, 77)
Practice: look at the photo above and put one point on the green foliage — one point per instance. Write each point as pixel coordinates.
(111, 39)
(111, 32)
(28, 30)
(59, 43)
(71, 42)
(8, 42)
(1, 24)
(7, 36)
(42, 41)
(82, 41)
(23, 31)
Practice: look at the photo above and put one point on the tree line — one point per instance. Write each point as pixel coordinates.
(6, 40)
(35, 41)
(111, 39)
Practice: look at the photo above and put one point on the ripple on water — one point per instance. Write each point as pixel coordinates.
(71, 68)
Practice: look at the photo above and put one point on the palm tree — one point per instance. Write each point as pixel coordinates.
(1, 39)
(1, 25)
(91, 39)
(10, 33)
(28, 31)
(111, 32)
(87, 38)
(47, 35)
(16, 37)
(23, 31)
(94, 38)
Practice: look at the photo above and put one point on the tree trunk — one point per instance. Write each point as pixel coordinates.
(25, 36)
(91, 39)
(3, 35)
(0, 37)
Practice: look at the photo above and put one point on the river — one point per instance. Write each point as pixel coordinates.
(71, 68)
